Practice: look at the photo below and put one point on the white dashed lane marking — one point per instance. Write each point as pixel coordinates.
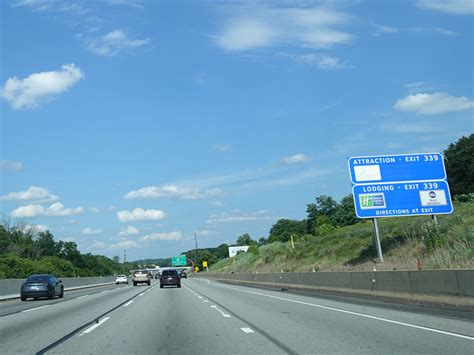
(247, 330)
(34, 309)
(128, 303)
(225, 315)
(90, 329)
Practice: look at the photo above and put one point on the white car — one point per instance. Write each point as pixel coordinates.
(121, 279)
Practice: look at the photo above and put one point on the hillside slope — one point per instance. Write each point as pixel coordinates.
(449, 245)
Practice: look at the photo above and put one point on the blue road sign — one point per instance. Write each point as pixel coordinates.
(402, 199)
(394, 168)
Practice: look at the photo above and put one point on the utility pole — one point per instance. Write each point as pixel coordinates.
(124, 256)
(195, 248)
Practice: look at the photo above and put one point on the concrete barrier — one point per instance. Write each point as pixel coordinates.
(449, 287)
(10, 288)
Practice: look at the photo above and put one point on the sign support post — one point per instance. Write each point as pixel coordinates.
(377, 240)
(435, 220)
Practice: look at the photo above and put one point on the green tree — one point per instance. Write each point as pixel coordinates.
(284, 228)
(344, 214)
(245, 239)
(459, 161)
(222, 251)
(46, 245)
(324, 206)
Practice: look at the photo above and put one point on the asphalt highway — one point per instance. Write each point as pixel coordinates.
(207, 317)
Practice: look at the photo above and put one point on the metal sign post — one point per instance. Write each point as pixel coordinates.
(377, 240)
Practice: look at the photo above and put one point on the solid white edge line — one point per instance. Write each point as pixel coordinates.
(128, 303)
(34, 309)
(247, 330)
(362, 315)
(91, 328)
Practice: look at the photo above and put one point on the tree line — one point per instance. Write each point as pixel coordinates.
(24, 251)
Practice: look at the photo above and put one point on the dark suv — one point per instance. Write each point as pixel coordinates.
(170, 278)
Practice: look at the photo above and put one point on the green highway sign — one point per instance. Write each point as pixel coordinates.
(178, 260)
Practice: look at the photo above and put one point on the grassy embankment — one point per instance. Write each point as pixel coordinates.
(450, 246)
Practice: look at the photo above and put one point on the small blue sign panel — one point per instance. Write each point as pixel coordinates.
(394, 168)
(402, 199)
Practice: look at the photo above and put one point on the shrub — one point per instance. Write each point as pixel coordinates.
(432, 237)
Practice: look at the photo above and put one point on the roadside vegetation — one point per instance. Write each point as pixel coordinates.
(450, 245)
(24, 251)
(332, 238)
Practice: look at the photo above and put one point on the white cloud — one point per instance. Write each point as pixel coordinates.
(130, 230)
(55, 210)
(162, 236)
(171, 191)
(446, 32)
(322, 61)
(40, 87)
(113, 43)
(36, 228)
(75, 8)
(239, 216)
(456, 7)
(432, 104)
(258, 27)
(94, 209)
(415, 128)
(130, 3)
(33, 193)
(246, 33)
(222, 147)
(124, 244)
(139, 214)
(295, 159)
(91, 231)
(98, 245)
(204, 232)
(381, 29)
(9, 165)
(216, 204)
(421, 87)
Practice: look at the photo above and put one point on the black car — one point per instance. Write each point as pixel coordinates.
(170, 278)
(43, 285)
(183, 275)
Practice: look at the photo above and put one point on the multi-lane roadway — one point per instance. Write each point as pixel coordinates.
(207, 317)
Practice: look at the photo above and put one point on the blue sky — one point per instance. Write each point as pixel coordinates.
(130, 124)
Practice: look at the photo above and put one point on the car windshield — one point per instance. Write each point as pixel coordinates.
(37, 278)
